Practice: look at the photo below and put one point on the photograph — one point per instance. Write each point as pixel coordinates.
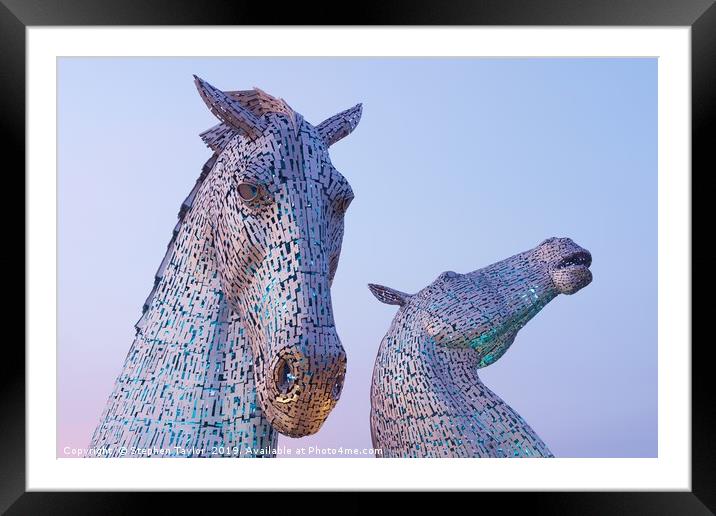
(386, 257)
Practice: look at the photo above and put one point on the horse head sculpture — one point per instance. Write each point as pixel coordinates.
(238, 338)
(426, 396)
(277, 218)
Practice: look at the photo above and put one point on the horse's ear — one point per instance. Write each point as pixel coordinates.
(339, 126)
(388, 295)
(229, 110)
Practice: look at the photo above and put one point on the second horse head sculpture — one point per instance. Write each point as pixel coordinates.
(427, 399)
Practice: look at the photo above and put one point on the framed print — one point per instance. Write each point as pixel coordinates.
(443, 251)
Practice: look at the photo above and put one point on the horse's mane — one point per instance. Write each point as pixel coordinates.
(259, 103)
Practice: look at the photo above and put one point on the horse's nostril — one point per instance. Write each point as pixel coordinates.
(337, 388)
(284, 376)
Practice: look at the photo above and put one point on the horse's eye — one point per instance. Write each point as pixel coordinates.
(248, 191)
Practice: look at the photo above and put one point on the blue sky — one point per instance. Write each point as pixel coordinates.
(457, 163)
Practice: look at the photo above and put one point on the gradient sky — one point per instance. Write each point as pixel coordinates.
(456, 164)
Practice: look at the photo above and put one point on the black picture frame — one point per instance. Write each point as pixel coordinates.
(700, 15)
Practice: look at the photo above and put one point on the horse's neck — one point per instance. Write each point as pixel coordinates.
(430, 367)
(189, 291)
(440, 389)
(188, 379)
